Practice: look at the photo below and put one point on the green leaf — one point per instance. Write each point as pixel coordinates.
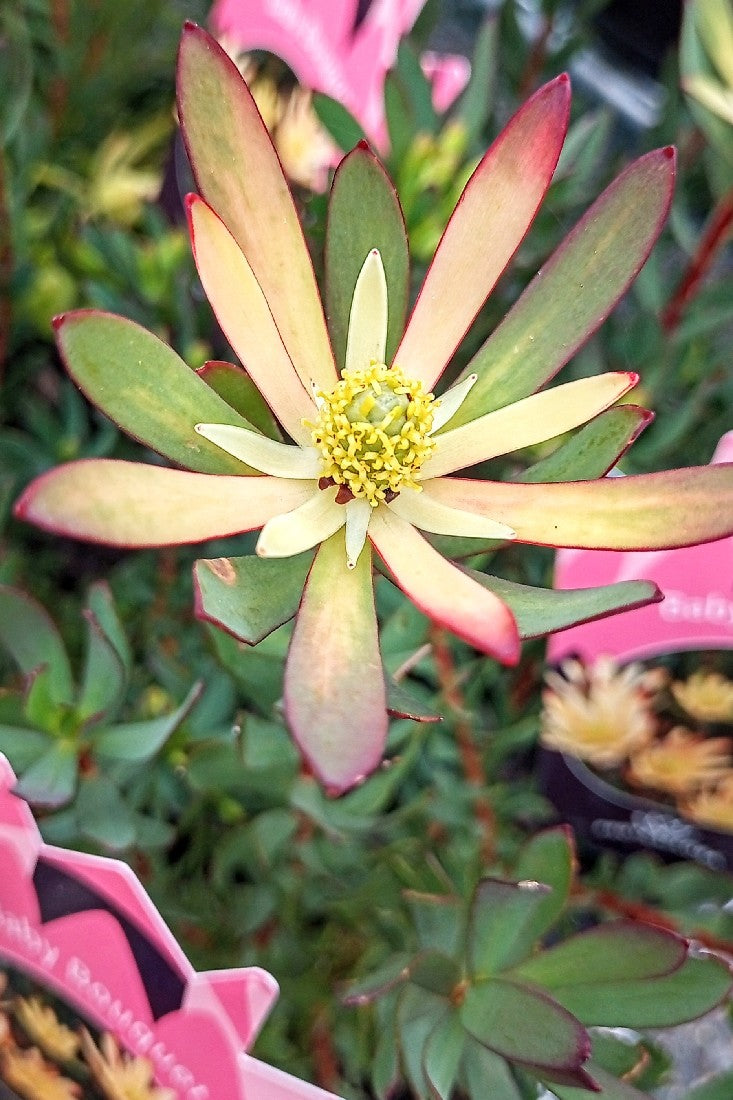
(442, 1055)
(345, 130)
(402, 703)
(617, 1054)
(480, 1066)
(51, 780)
(525, 1026)
(379, 982)
(135, 742)
(575, 290)
(104, 682)
(475, 104)
(540, 611)
(502, 923)
(611, 1088)
(22, 746)
(592, 450)
(103, 816)
(249, 597)
(435, 972)
(417, 89)
(621, 951)
(141, 384)
(16, 71)
(235, 386)
(32, 640)
(360, 183)
(418, 1013)
(439, 920)
(548, 857)
(694, 988)
(101, 603)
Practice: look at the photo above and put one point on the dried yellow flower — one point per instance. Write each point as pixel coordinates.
(30, 1076)
(43, 1027)
(706, 696)
(601, 713)
(681, 762)
(712, 808)
(120, 1076)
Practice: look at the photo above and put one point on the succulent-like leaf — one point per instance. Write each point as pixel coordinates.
(361, 183)
(684, 994)
(435, 972)
(141, 384)
(238, 173)
(481, 1065)
(640, 512)
(51, 780)
(620, 951)
(593, 449)
(442, 1055)
(29, 635)
(341, 125)
(101, 603)
(336, 706)
(134, 742)
(249, 597)
(611, 1088)
(548, 857)
(102, 814)
(575, 290)
(540, 611)
(439, 920)
(235, 386)
(401, 703)
(418, 1013)
(104, 681)
(22, 746)
(379, 982)
(526, 1026)
(502, 923)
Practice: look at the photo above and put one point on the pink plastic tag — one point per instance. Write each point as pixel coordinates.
(696, 613)
(333, 48)
(82, 935)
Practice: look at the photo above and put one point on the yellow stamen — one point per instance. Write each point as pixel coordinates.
(373, 432)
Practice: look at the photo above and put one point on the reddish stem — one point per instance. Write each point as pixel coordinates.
(473, 768)
(711, 241)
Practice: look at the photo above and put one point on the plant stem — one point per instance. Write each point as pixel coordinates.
(711, 241)
(473, 769)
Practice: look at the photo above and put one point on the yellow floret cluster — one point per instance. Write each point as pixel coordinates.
(373, 432)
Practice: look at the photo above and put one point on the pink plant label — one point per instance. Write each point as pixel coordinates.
(83, 933)
(338, 47)
(696, 613)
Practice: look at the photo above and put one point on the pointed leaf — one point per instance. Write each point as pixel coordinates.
(239, 175)
(401, 703)
(51, 780)
(235, 386)
(130, 504)
(22, 746)
(361, 183)
(104, 682)
(481, 1065)
(689, 991)
(487, 226)
(103, 816)
(101, 603)
(435, 972)
(525, 1026)
(640, 512)
(593, 449)
(418, 1013)
(611, 1088)
(502, 923)
(134, 742)
(439, 920)
(538, 611)
(548, 857)
(249, 597)
(29, 635)
(334, 692)
(575, 290)
(141, 384)
(442, 1055)
(379, 982)
(474, 105)
(621, 951)
(345, 130)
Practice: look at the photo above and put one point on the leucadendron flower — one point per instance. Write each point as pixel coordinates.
(363, 457)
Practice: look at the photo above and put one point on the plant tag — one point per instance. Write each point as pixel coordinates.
(96, 991)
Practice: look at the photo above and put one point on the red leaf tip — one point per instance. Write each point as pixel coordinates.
(58, 320)
(669, 152)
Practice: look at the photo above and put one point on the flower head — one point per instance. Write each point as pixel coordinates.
(706, 696)
(601, 713)
(681, 762)
(43, 1027)
(369, 462)
(120, 1076)
(712, 807)
(30, 1076)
